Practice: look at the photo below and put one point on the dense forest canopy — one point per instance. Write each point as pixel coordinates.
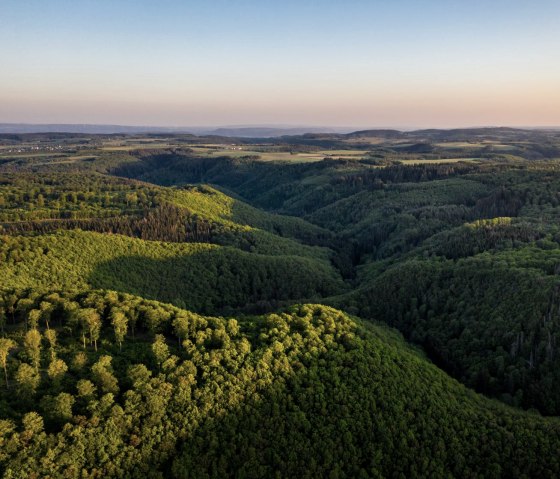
(182, 306)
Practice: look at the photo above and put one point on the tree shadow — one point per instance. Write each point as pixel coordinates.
(368, 410)
(218, 280)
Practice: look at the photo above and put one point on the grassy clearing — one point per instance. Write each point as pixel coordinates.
(440, 160)
(136, 146)
(239, 152)
(29, 155)
(454, 145)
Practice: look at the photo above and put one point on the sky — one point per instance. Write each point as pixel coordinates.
(352, 63)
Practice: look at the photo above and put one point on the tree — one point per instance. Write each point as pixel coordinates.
(56, 371)
(33, 317)
(79, 361)
(71, 313)
(94, 326)
(102, 372)
(10, 301)
(131, 198)
(47, 308)
(153, 317)
(27, 379)
(90, 322)
(120, 325)
(5, 346)
(50, 335)
(23, 306)
(181, 326)
(86, 389)
(139, 373)
(63, 406)
(160, 349)
(132, 314)
(32, 344)
(7, 436)
(33, 425)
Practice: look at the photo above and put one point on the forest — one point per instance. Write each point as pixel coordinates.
(373, 304)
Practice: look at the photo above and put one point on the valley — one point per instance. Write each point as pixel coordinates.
(372, 304)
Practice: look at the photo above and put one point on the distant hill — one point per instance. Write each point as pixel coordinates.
(263, 132)
(393, 134)
(243, 132)
(466, 134)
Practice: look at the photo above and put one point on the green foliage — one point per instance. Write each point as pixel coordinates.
(492, 319)
(203, 277)
(462, 257)
(309, 392)
(26, 197)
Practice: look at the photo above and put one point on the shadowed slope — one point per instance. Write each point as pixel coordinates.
(308, 393)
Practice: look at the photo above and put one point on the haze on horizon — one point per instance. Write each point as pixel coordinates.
(404, 63)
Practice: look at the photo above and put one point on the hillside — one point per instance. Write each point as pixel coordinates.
(134, 270)
(200, 276)
(308, 392)
(400, 222)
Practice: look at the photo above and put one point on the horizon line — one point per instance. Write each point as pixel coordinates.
(282, 126)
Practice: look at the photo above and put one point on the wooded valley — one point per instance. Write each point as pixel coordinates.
(391, 309)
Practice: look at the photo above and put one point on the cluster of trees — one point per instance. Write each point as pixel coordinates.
(396, 218)
(216, 206)
(188, 214)
(163, 223)
(365, 213)
(378, 212)
(491, 234)
(453, 211)
(203, 277)
(28, 197)
(118, 206)
(491, 320)
(111, 385)
(377, 177)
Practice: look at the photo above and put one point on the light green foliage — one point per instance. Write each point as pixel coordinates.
(102, 374)
(34, 317)
(50, 336)
(86, 389)
(32, 344)
(49, 196)
(120, 325)
(63, 406)
(27, 379)
(6, 345)
(79, 361)
(57, 369)
(160, 349)
(251, 380)
(203, 276)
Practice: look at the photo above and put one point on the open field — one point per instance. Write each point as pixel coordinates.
(299, 157)
(137, 146)
(441, 160)
(29, 155)
(455, 145)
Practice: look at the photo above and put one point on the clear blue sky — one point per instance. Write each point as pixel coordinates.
(352, 63)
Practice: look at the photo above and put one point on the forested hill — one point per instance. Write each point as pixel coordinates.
(175, 306)
(424, 240)
(138, 388)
